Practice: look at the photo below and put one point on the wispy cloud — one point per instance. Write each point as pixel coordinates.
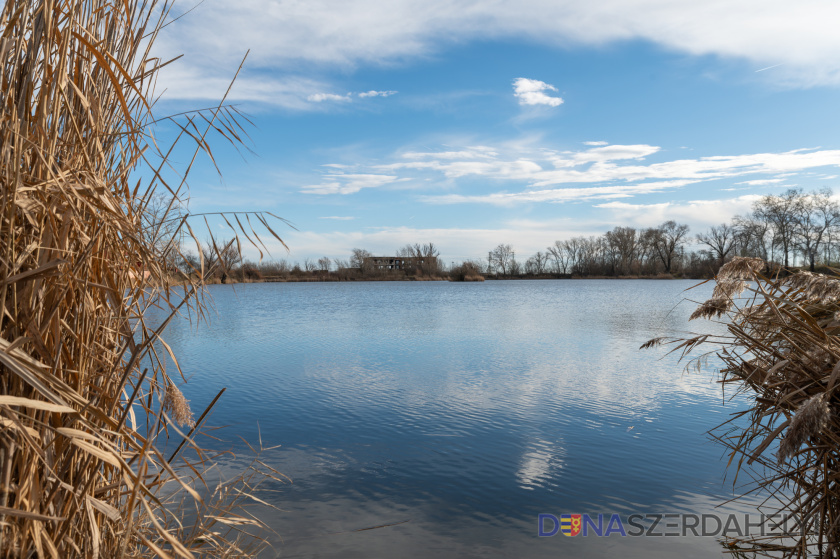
(558, 194)
(768, 68)
(761, 182)
(295, 92)
(349, 183)
(595, 143)
(374, 93)
(536, 174)
(700, 214)
(321, 97)
(471, 152)
(539, 167)
(604, 153)
(533, 92)
(195, 82)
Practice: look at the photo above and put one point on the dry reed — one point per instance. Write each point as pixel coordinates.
(782, 349)
(82, 258)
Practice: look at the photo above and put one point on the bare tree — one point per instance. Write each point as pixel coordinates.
(309, 265)
(781, 213)
(754, 237)
(221, 257)
(816, 216)
(625, 241)
(324, 264)
(610, 254)
(721, 240)
(646, 257)
(572, 248)
(589, 253)
(358, 257)
(189, 263)
(537, 264)
(425, 258)
(274, 268)
(558, 256)
(667, 242)
(500, 259)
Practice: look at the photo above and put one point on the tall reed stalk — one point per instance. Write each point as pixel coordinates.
(84, 394)
(781, 350)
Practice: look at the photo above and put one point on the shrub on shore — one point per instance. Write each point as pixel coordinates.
(468, 271)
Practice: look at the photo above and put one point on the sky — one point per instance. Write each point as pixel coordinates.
(474, 123)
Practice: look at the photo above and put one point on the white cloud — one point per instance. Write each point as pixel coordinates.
(374, 93)
(533, 92)
(595, 143)
(290, 92)
(471, 152)
(759, 182)
(608, 153)
(558, 194)
(455, 243)
(193, 82)
(348, 184)
(799, 40)
(768, 68)
(526, 235)
(321, 97)
(699, 214)
(539, 174)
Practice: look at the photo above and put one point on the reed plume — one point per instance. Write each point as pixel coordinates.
(84, 393)
(177, 406)
(810, 419)
(713, 308)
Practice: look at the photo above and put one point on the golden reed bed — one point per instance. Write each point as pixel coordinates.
(85, 398)
(782, 350)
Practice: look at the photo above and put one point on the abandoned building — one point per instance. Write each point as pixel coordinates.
(395, 262)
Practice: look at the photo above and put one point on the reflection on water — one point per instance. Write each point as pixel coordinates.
(538, 464)
(467, 409)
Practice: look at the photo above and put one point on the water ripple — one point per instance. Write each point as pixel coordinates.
(469, 409)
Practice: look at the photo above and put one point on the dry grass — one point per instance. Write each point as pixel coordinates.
(782, 350)
(83, 257)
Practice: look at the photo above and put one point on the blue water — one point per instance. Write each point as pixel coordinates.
(466, 409)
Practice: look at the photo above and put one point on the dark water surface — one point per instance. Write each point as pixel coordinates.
(466, 409)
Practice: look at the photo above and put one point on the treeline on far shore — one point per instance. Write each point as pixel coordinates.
(787, 230)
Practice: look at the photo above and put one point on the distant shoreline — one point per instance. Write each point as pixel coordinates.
(331, 278)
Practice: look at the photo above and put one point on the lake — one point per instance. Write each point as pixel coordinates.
(466, 409)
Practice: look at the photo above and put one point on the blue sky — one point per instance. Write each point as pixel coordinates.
(470, 124)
